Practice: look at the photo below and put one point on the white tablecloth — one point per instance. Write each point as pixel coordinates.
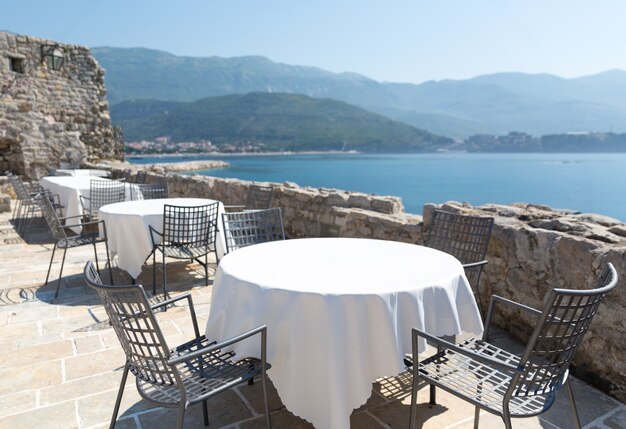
(128, 228)
(69, 189)
(339, 313)
(82, 172)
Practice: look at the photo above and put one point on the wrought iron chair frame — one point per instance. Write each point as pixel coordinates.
(101, 193)
(506, 384)
(246, 228)
(187, 233)
(63, 241)
(467, 239)
(186, 375)
(25, 204)
(258, 198)
(141, 177)
(148, 191)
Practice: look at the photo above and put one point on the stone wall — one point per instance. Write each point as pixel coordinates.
(49, 117)
(532, 250)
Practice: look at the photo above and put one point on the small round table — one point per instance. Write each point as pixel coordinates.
(339, 314)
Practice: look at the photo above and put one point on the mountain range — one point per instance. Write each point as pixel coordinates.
(271, 122)
(497, 103)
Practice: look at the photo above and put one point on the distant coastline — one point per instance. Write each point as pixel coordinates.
(218, 154)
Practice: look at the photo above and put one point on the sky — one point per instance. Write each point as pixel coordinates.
(396, 41)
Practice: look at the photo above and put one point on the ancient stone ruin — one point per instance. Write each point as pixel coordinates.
(53, 107)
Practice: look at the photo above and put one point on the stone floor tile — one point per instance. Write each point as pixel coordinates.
(88, 344)
(60, 416)
(22, 314)
(96, 409)
(224, 409)
(39, 375)
(254, 396)
(19, 331)
(27, 356)
(595, 405)
(79, 388)
(489, 421)
(449, 410)
(127, 423)
(94, 363)
(68, 326)
(280, 419)
(16, 403)
(616, 420)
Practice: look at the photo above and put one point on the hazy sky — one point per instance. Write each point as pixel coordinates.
(394, 40)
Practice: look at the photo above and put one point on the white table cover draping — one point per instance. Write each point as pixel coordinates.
(82, 172)
(339, 313)
(69, 189)
(128, 228)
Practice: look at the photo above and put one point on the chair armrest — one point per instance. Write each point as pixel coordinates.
(492, 303)
(461, 350)
(192, 310)
(475, 264)
(210, 348)
(71, 217)
(152, 230)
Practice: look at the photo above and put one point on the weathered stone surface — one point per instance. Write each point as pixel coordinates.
(534, 249)
(49, 117)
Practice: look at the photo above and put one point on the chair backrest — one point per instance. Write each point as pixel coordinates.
(190, 226)
(103, 192)
(141, 177)
(464, 237)
(149, 191)
(562, 326)
(136, 328)
(50, 215)
(246, 228)
(19, 188)
(259, 197)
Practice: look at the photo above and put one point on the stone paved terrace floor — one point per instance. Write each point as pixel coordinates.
(61, 364)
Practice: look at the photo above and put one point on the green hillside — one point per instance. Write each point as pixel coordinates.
(278, 122)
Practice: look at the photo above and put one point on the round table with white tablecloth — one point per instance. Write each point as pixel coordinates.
(339, 314)
(128, 228)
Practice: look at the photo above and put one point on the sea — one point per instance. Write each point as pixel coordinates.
(588, 183)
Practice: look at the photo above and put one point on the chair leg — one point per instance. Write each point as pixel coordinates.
(570, 395)
(120, 393)
(476, 417)
(56, 294)
(106, 248)
(506, 417)
(164, 282)
(268, 420)
(181, 415)
(50, 266)
(154, 272)
(206, 269)
(205, 413)
(95, 253)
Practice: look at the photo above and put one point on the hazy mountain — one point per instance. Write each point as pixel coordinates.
(498, 103)
(277, 121)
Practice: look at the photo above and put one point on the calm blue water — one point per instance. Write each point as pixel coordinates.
(592, 183)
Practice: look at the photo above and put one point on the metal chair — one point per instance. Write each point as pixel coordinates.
(101, 193)
(466, 238)
(186, 375)
(259, 198)
(149, 191)
(243, 229)
(89, 235)
(188, 233)
(505, 384)
(25, 205)
(141, 177)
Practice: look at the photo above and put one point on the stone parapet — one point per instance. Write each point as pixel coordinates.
(534, 249)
